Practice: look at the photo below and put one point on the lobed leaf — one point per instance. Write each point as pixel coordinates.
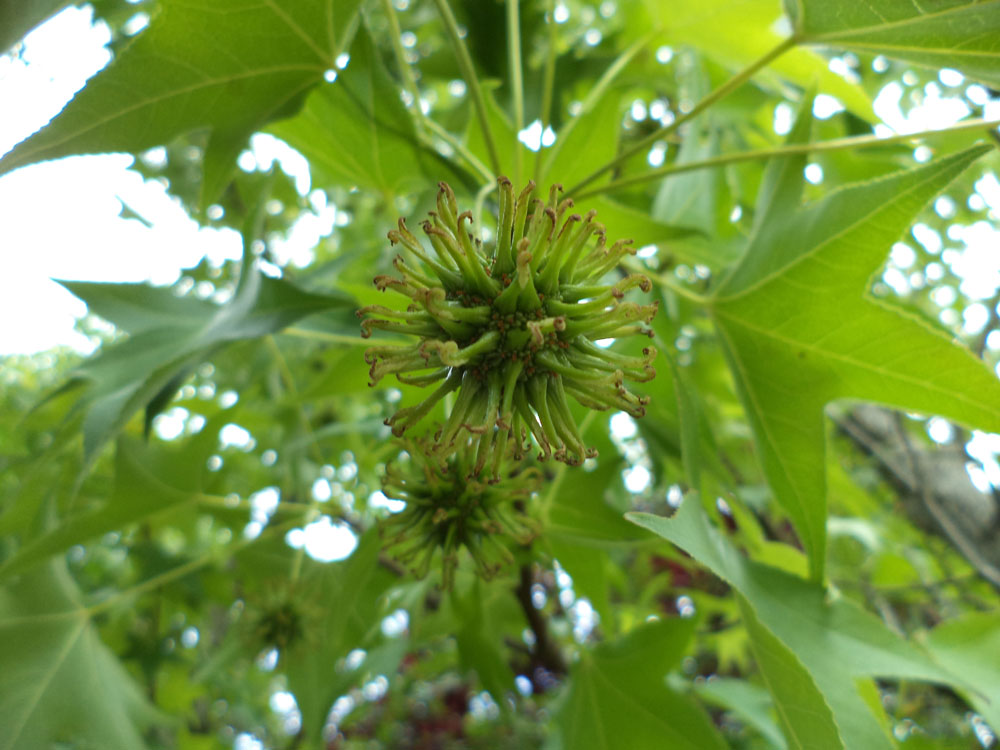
(798, 334)
(963, 34)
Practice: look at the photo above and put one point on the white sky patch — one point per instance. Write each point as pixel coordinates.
(170, 424)
(233, 435)
(826, 106)
(934, 112)
(323, 540)
(534, 136)
(978, 264)
(623, 426)
(783, 117)
(378, 500)
(395, 624)
(637, 479)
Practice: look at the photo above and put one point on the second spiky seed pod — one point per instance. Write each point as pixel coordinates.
(511, 327)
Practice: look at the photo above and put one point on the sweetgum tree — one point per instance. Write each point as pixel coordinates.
(630, 447)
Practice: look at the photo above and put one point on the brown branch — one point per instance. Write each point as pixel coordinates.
(545, 651)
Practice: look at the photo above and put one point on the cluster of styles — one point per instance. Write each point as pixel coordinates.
(512, 329)
(447, 511)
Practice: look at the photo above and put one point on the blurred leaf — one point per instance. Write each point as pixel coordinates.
(505, 138)
(591, 137)
(750, 703)
(59, 683)
(970, 646)
(126, 377)
(799, 333)
(141, 491)
(958, 34)
(617, 695)
(479, 638)
(347, 596)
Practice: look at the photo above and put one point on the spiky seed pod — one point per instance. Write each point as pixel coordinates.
(511, 327)
(280, 616)
(446, 511)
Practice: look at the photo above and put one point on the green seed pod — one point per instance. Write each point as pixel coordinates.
(446, 511)
(511, 327)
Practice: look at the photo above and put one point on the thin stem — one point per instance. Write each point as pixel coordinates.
(335, 338)
(599, 89)
(720, 93)
(409, 82)
(836, 144)
(459, 147)
(548, 83)
(688, 294)
(471, 81)
(517, 85)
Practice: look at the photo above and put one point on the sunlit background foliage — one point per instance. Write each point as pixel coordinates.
(189, 550)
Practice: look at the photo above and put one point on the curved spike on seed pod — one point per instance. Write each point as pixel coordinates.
(631, 281)
(446, 351)
(455, 512)
(487, 337)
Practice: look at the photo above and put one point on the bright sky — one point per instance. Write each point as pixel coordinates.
(62, 219)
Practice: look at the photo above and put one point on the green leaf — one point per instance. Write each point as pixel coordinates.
(144, 487)
(798, 333)
(624, 222)
(970, 646)
(834, 640)
(958, 34)
(18, 17)
(576, 510)
(589, 138)
(617, 695)
(478, 614)
(59, 682)
(348, 594)
(508, 147)
(356, 131)
(737, 33)
(230, 66)
(803, 713)
(135, 308)
(750, 703)
(126, 377)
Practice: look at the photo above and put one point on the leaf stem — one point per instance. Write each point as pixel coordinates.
(469, 74)
(599, 89)
(664, 280)
(836, 144)
(334, 338)
(720, 93)
(422, 121)
(548, 83)
(517, 85)
(409, 82)
(459, 147)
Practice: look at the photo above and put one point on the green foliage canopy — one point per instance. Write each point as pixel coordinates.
(737, 568)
